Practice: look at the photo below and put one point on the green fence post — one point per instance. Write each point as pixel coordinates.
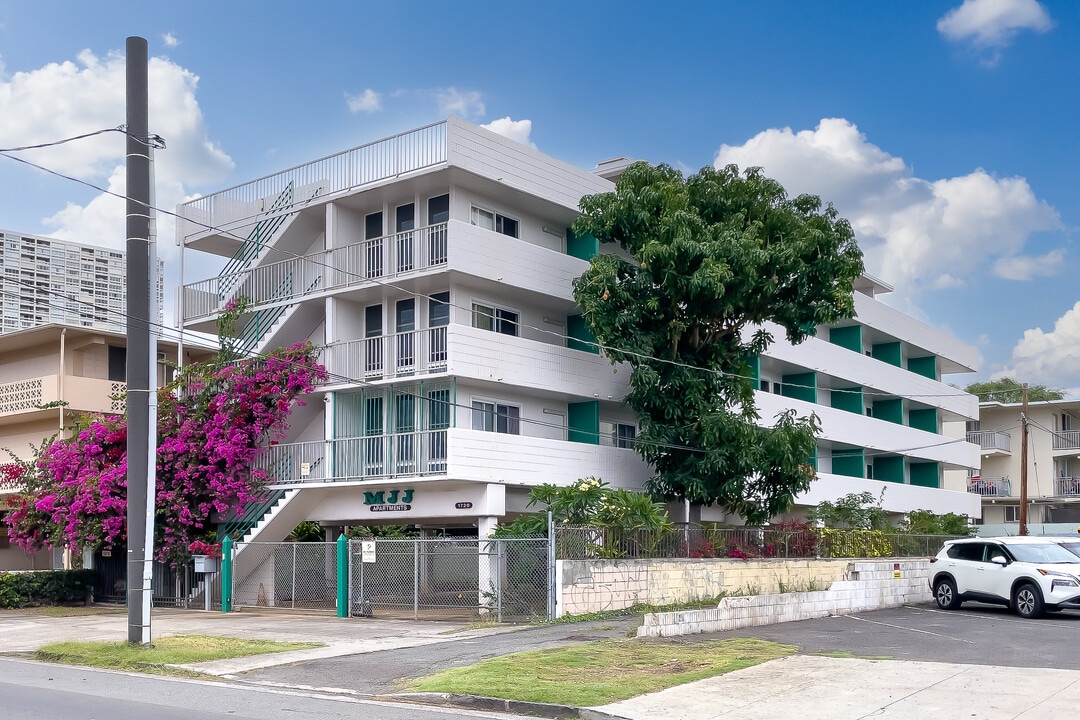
(342, 577)
(226, 574)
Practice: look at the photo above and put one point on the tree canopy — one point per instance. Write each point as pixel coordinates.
(707, 260)
(1007, 390)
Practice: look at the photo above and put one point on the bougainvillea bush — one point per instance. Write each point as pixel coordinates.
(212, 422)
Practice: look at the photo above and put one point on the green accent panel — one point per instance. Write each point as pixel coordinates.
(890, 410)
(925, 366)
(850, 399)
(583, 422)
(888, 352)
(226, 574)
(848, 463)
(579, 334)
(754, 364)
(803, 386)
(849, 337)
(924, 419)
(581, 246)
(889, 469)
(813, 461)
(925, 474)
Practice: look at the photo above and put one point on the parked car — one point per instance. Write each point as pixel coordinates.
(1072, 544)
(1028, 574)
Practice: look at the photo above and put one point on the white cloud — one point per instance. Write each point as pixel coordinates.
(516, 130)
(170, 40)
(1027, 268)
(1049, 358)
(368, 101)
(452, 101)
(915, 233)
(993, 23)
(61, 100)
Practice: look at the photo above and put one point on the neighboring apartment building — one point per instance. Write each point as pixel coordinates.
(47, 375)
(45, 281)
(434, 269)
(1053, 472)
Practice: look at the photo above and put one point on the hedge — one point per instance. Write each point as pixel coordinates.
(45, 587)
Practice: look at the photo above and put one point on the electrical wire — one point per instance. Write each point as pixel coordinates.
(155, 141)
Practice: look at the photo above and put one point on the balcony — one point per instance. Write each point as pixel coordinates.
(1067, 440)
(992, 442)
(456, 452)
(22, 399)
(388, 356)
(285, 281)
(989, 486)
(1067, 486)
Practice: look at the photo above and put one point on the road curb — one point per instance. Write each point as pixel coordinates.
(480, 702)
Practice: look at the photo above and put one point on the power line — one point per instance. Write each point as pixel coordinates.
(155, 141)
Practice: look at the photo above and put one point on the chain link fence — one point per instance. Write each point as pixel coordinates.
(287, 575)
(697, 541)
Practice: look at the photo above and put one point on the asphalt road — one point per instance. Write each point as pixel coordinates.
(40, 691)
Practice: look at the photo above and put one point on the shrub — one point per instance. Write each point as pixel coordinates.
(854, 543)
(45, 587)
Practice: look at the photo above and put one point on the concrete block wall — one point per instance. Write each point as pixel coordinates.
(585, 586)
(871, 584)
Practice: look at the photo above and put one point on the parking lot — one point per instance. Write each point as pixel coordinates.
(975, 634)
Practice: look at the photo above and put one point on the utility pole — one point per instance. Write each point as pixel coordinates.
(142, 435)
(1023, 462)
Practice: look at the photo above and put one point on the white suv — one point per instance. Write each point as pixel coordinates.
(1028, 574)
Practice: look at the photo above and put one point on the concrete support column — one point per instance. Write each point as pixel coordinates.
(489, 564)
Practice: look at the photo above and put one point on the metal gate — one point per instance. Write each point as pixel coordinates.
(450, 577)
(289, 575)
(172, 585)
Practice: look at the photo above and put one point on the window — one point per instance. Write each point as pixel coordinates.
(373, 321)
(1012, 513)
(438, 209)
(494, 221)
(439, 309)
(373, 253)
(620, 435)
(500, 320)
(117, 363)
(496, 417)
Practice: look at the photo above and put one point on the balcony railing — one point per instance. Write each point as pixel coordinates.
(1067, 487)
(1067, 440)
(990, 486)
(387, 356)
(383, 257)
(991, 440)
(80, 393)
(359, 458)
(407, 152)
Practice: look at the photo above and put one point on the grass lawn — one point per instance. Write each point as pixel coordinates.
(600, 672)
(67, 610)
(174, 650)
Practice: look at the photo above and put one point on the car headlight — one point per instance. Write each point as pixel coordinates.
(1060, 579)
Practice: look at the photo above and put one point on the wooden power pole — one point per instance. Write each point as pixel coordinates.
(1023, 462)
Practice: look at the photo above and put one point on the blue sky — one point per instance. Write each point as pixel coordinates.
(945, 130)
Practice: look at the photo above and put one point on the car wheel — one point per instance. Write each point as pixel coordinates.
(1027, 601)
(945, 594)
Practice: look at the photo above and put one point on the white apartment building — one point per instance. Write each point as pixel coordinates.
(434, 271)
(47, 281)
(1053, 466)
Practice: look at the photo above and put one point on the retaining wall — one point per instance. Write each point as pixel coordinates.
(870, 584)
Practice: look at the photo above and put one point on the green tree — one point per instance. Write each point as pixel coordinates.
(854, 511)
(708, 260)
(1007, 390)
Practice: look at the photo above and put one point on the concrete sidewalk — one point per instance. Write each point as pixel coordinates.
(811, 687)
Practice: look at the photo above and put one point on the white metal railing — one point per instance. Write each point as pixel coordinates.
(1067, 486)
(990, 486)
(400, 354)
(287, 280)
(357, 458)
(991, 440)
(1067, 440)
(363, 165)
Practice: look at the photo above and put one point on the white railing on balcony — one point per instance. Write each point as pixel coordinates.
(1067, 440)
(1067, 486)
(990, 486)
(287, 280)
(991, 440)
(358, 458)
(21, 395)
(407, 152)
(387, 356)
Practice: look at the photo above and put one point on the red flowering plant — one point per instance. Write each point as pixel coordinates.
(201, 547)
(212, 422)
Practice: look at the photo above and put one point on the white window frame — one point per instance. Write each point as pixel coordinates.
(609, 435)
(494, 415)
(497, 219)
(495, 319)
